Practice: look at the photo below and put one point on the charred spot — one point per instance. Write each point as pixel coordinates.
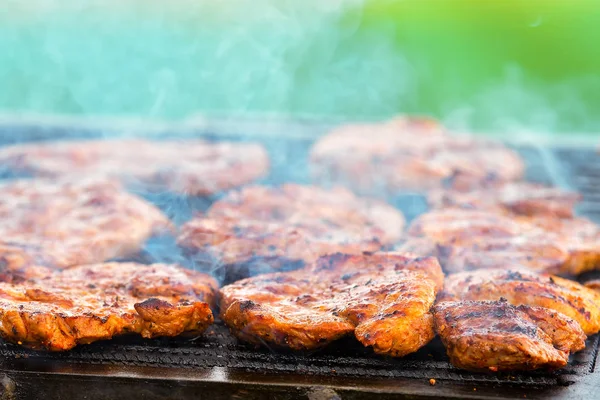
(514, 276)
(472, 314)
(552, 280)
(526, 330)
(104, 319)
(304, 298)
(247, 305)
(154, 303)
(91, 286)
(14, 330)
(585, 313)
(329, 262)
(347, 276)
(3, 264)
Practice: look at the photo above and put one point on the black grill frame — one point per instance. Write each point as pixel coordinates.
(216, 365)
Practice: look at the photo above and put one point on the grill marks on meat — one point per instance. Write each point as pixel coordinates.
(384, 298)
(193, 167)
(497, 336)
(97, 302)
(521, 286)
(290, 224)
(54, 225)
(476, 239)
(407, 153)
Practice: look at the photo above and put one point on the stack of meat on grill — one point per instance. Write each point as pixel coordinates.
(486, 268)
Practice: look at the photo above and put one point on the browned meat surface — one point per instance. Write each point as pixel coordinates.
(473, 239)
(193, 167)
(522, 198)
(522, 286)
(96, 302)
(275, 226)
(581, 237)
(466, 239)
(464, 225)
(383, 298)
(406, 153)
(497, 336)
(62, 224)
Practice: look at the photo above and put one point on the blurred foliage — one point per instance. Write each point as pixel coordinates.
(489, 65)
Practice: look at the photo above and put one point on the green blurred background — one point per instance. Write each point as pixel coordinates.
(487, 65)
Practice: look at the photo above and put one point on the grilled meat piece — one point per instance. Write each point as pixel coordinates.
(580, 236)
(384, 298)
(96, 302)
(293, 224)
(497, 336)
(192, 167)
(521, 286)
(521, 198)
(62, 224)
(463, 225)
(474, 239)
(471, 239)
(404, 154)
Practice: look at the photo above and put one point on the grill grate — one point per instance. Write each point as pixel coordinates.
(346, 358)
(217, 348)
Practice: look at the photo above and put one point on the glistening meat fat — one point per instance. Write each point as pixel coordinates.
(522, 286)
(98, 302)
(383, 299)
(498, 336)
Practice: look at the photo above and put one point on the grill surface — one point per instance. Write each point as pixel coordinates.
(216, 362)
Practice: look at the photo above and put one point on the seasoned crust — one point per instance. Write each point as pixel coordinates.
(195, 167)
(521, 286)
(384, 298)
(59, 224)
(97, 302)
(406, 153)
(292, 224)
(497, 336)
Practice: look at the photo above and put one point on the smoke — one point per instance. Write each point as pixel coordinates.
(159, 60)
(518, 102)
